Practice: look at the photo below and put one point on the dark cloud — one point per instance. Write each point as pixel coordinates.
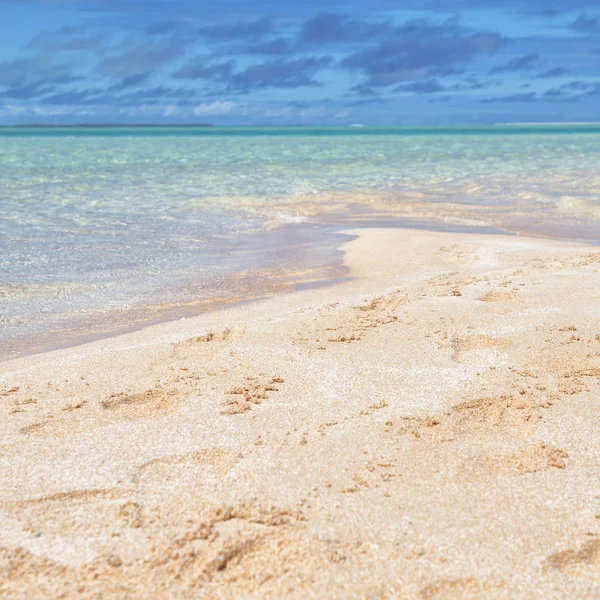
(586, 24)
(280, 74)
(375, 101)
(201, 68)
(420, 50)
(276, 47)
(556, 72)
(339, 29)
(78, 97)
(27, 91)
(555, 93)
(158, 95)
(429, 86)
(574, 91)
(473, 83)
(25, 70)
(28, 78)
(363, 90)
(580, 86)
(96, 97)
(254, 30)
(512, 99)
(520, 63)
(131, 81)
(434, 86)
(294, 73)
(143, 58)
(67, 39)
(550, 12)
(300, 104)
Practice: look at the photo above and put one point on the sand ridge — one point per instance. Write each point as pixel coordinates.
(427, 429)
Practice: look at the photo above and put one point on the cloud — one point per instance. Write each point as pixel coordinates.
(12, 110)
(157, 95)
(373, 101)
(473, 83)
(429, 86)
(512, 99)
(574, 91)
(97, 97)
(556, 72)
(581, 86)
(282, 74)
(555, 93)
(217, 108)
(201, 68)
(253, 30)
(586, 24)
(420, 50)
(19, 71)
(550, 12)
(276, 47)
(434, 86)
(67, 40)
(520, 63)
(75, 97)
(143, 58)
(30, 77)
(277, 74)
(339, 29)
(363, 90)
(175, 55)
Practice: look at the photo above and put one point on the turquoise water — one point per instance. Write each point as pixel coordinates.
(183, 130)
(95, 221)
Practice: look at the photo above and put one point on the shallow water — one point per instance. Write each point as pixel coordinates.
(95, 223)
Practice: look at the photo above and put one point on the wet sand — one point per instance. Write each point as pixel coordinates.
(426, 429)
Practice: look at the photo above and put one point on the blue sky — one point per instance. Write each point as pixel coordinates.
(313, 62)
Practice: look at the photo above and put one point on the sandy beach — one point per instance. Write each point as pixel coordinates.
(426, 429)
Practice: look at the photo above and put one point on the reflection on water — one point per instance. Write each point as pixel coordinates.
(90, 226)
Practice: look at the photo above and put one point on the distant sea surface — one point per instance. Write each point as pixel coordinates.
(104, 229)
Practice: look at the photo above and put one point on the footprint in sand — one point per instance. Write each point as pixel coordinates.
(453, 589)
(374, 313)
(208, 464)
(461, 346)
(581, 562)
(450, 284)
(519, 414)
(66, 514)
(197, 343)
(9, 391)
(532, 459)
(498, 296)
(175, 550)
(152, 403)
(252, 392)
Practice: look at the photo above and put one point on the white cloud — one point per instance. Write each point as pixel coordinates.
(54, 111)
(218, 108)
(171, 110)
(12, 110)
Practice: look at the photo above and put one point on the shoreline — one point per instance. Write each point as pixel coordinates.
(266, 284)
(425, 429)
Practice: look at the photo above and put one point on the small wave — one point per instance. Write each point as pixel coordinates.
(578, 207)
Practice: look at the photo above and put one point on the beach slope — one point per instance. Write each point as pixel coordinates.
(426, 429)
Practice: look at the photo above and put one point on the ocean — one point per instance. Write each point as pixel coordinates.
(108, 229)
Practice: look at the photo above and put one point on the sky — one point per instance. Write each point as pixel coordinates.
(302, 62)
